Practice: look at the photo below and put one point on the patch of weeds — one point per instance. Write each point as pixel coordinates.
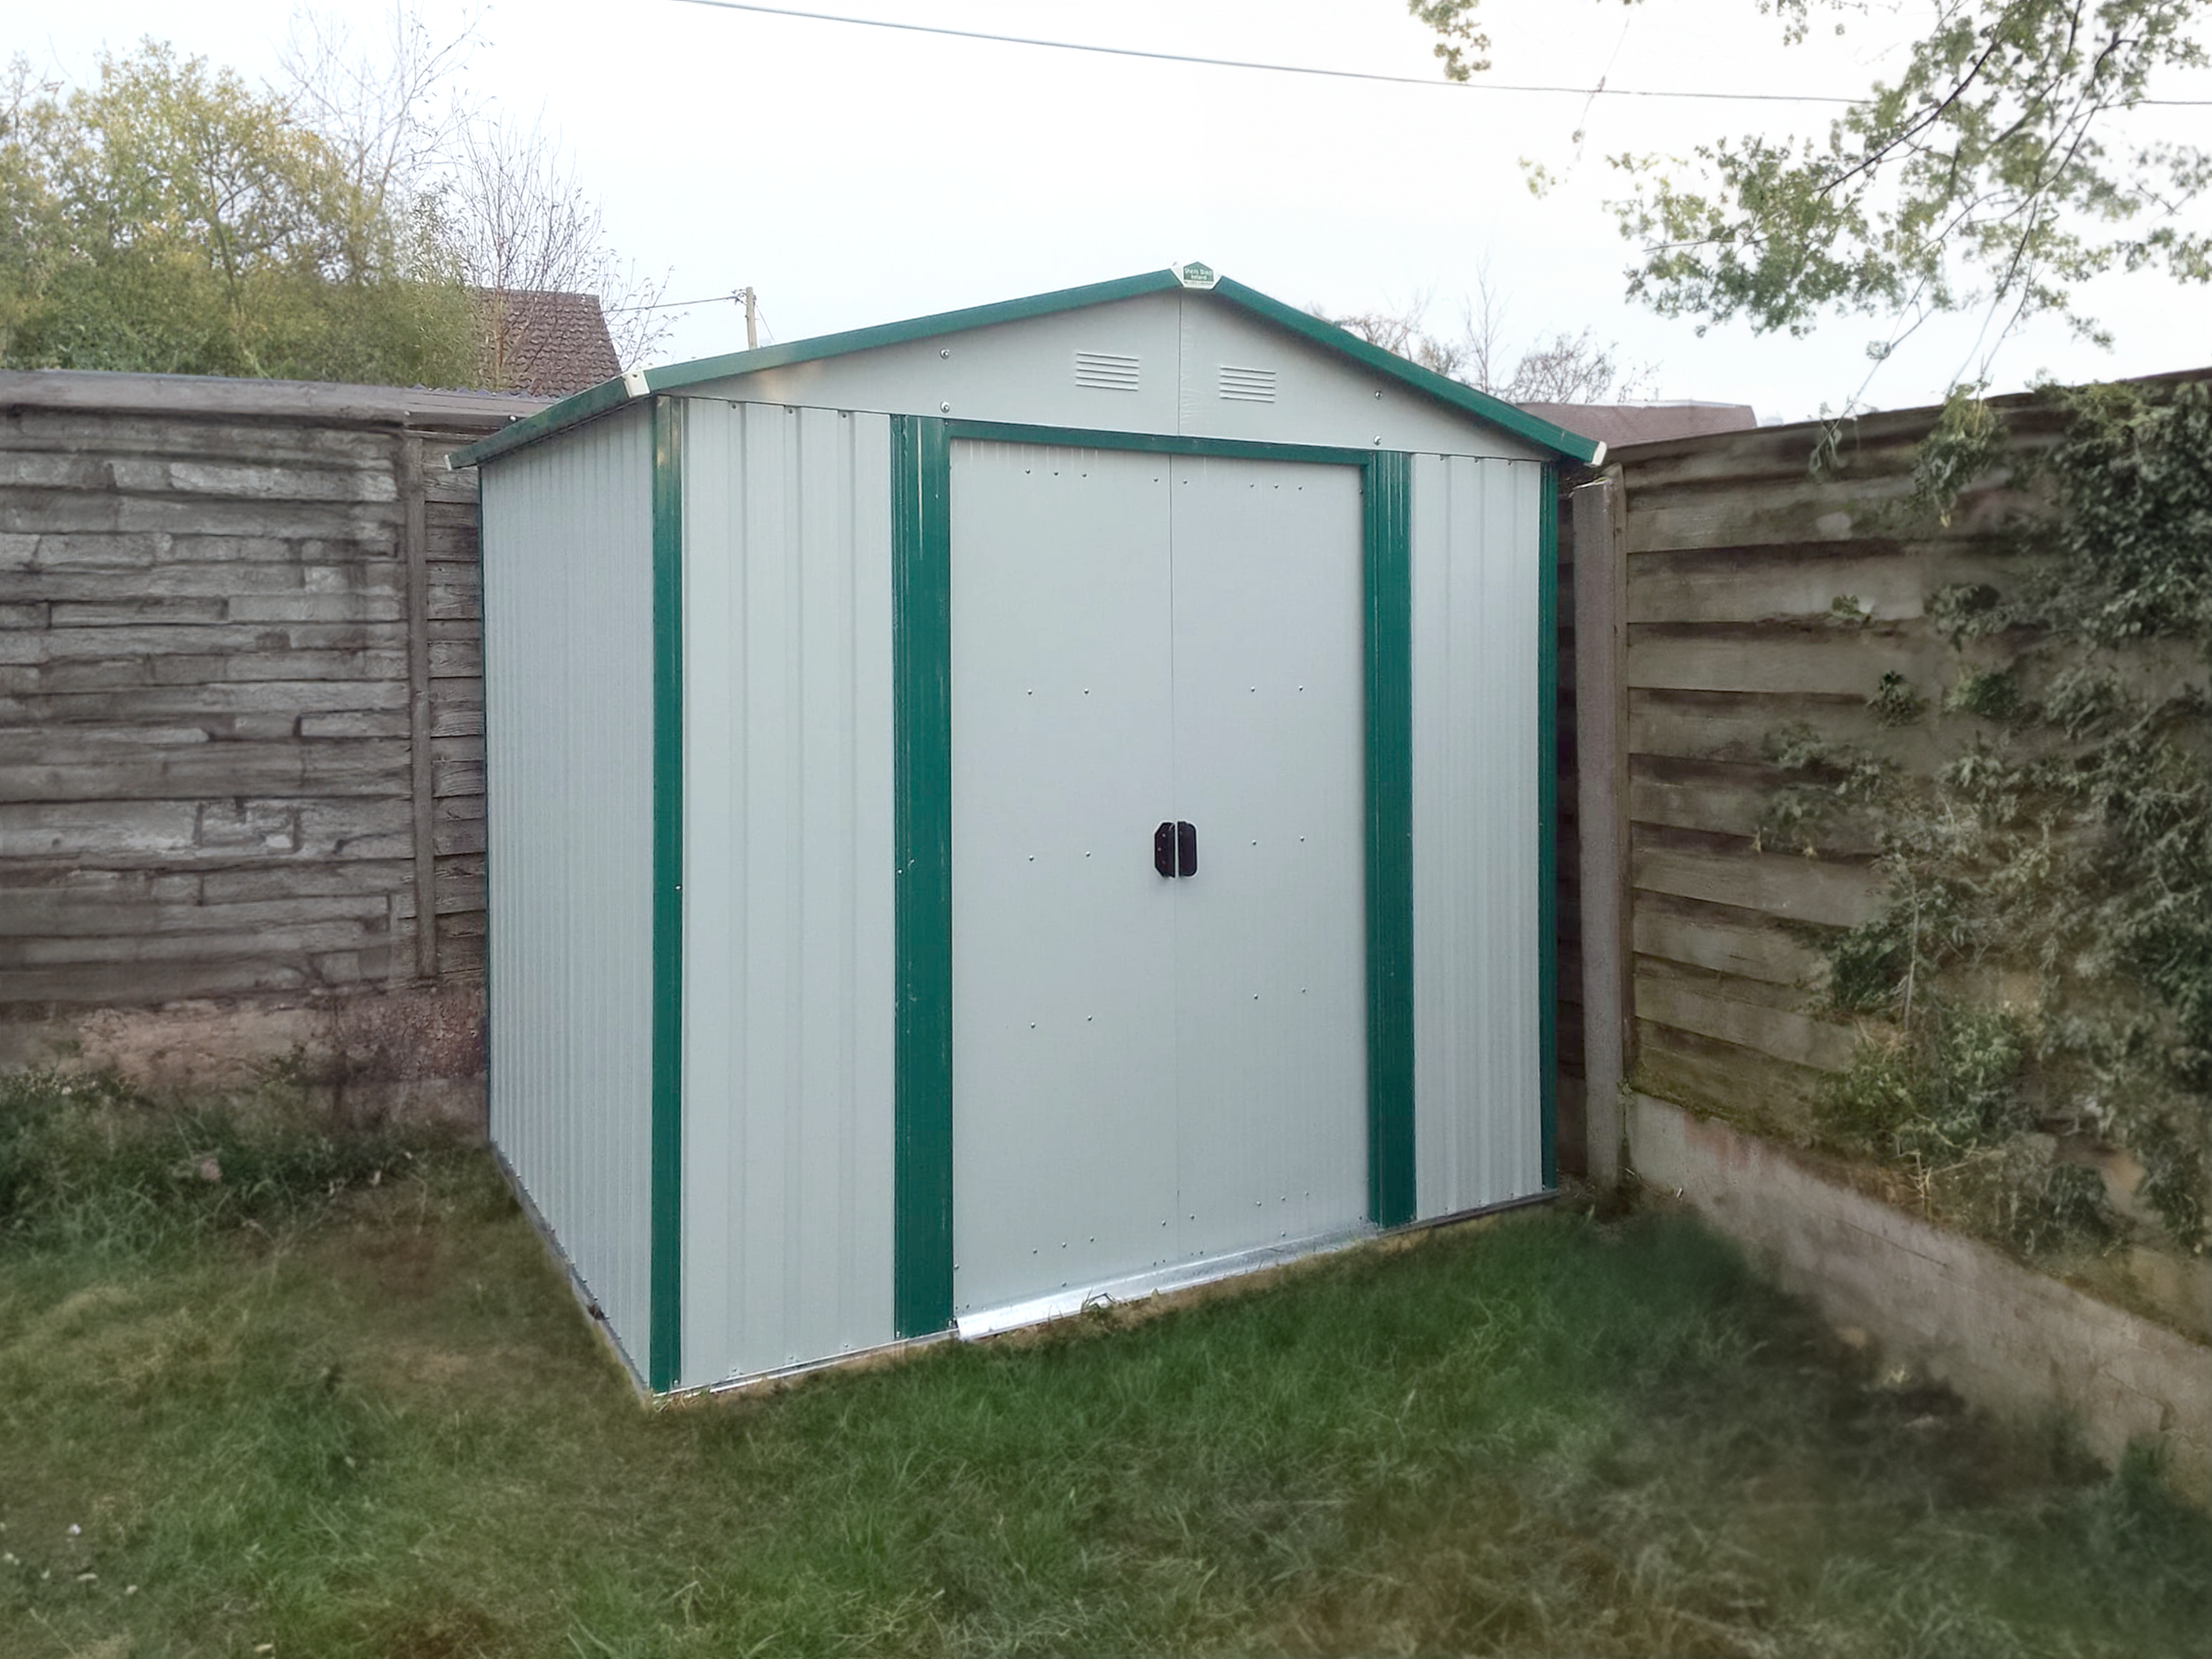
(1895, 702)
(1849, 611)
(91, 1160)
(1989, 694)
(1949, 1087)
(2084, 700)
(1967, 611)
(1966, 441)
(2174, 1179)
(1827, 779)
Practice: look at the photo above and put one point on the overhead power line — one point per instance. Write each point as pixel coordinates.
(1599, 90)
(738, 297)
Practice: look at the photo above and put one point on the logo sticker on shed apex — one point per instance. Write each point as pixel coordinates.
(1197, 274)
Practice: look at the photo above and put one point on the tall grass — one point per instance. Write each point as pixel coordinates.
(87, 1161)
(374, 1422)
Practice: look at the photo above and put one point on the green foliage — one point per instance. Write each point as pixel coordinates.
(1968, 611)
(1984, 161)
(2131, 556)
(1964, 442)
(1895, 702)
(2069, 854)
(1831, 780)
(170, 220)
(1949, 1087)
(1988, 694)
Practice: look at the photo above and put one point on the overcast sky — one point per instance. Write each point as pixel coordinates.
(857, 175)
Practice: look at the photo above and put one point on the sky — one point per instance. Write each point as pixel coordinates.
(855, 175)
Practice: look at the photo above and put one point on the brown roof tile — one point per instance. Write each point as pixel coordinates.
(543, 344)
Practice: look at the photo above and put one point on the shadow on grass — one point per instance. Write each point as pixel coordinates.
(354, 1418)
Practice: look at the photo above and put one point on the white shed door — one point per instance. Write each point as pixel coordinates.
(1150, 1073)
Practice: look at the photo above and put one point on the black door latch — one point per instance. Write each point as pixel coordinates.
(1174, 849)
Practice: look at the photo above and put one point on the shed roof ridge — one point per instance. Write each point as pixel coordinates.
(680, 377)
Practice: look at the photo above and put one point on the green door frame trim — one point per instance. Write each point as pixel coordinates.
(664, 1341)
(921, 831)
(922, 564)
(1386, 494)
(1547, 818)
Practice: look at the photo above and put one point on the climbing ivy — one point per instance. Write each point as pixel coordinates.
(2037, 978)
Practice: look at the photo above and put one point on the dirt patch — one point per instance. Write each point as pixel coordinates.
(372, 1056)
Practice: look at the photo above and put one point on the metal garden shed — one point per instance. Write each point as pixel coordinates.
(1047, 801)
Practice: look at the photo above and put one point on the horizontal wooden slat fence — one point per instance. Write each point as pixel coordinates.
(1732, 555)
(241, 712)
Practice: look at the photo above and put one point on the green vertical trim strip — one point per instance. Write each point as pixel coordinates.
(1388, 533)
(921, 674)
(1548, 817)
(664, 1345)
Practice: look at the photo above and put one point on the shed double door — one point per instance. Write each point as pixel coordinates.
(1152, 1071)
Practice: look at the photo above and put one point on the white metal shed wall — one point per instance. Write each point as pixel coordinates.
(567, 574)
(1478, 919)
(788, 1000)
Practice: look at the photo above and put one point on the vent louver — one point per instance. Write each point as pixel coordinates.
(1105, 371)
(1248, 385)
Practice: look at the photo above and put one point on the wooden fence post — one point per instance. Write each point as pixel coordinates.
(415, 544)
(1601, 801)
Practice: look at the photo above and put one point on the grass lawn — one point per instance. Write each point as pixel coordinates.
(336, 1403)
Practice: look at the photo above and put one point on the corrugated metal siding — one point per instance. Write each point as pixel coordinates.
(789, 968)
(567, 557)
(1478, 1128)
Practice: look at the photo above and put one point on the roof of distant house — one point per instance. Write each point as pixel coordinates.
(557, 344)
(1618, 425)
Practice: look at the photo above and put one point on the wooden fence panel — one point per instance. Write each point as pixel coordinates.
(241, 697)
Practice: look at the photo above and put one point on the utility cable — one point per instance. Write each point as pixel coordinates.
(1307, 68)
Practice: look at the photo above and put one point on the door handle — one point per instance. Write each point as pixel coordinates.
(1174, 849)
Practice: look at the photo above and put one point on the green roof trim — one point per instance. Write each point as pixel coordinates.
(681, 377)
(1571, 445)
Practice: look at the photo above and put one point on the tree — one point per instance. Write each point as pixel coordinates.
(1985, 176)
(170, 219)
(1568, 368)
(497, 198)
(519, 226)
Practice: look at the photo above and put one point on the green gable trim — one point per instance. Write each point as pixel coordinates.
(1387, 508)
(681, 377)
(1568, 445)
(664, 1344)
(607, 396)
(921, 836)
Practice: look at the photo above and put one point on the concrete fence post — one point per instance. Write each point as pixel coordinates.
(1602, 798)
